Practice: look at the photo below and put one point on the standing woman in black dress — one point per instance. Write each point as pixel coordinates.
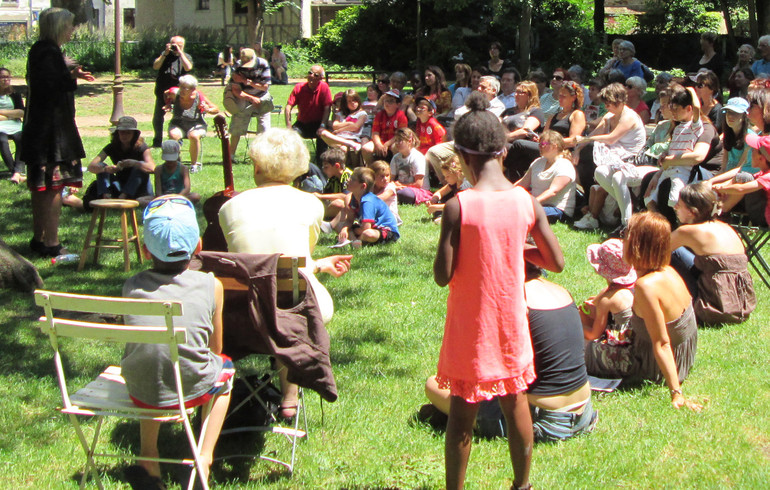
(51, 144)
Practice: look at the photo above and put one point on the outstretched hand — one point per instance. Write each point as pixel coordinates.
(78, 72)
(679, 401)
(335, 265)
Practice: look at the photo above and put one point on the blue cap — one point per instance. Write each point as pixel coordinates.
(171, 231)
(739, 105)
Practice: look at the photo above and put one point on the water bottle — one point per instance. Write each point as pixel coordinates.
(65, 259)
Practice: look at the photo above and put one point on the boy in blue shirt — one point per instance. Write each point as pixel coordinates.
(370, 220)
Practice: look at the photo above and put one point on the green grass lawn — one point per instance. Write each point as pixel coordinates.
(385, 340)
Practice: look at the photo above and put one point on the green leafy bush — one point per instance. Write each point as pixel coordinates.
(677, 16)
(621, 24)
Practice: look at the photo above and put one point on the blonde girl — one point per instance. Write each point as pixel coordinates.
(551, 178)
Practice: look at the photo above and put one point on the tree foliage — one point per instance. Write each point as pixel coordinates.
(383, 33)
(678, 17)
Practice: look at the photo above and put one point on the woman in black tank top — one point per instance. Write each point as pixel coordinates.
(570, 121)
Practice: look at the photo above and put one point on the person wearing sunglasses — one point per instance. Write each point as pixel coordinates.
(313, 100)
(707, 88)
(549, 101)
(636, 87)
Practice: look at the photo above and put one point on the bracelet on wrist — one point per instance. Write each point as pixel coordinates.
(677, 391)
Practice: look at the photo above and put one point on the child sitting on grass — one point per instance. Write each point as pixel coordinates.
(171, 177)
(384, 188)
(613, 301)
(348, 123)
(428, 129)
(407, 168)
(333, 195)
(171, 237)
(386, 122)
(455, 182)
(370, 220)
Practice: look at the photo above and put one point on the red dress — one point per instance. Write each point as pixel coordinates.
(487, 350)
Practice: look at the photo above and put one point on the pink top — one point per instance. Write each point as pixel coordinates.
(487, 349)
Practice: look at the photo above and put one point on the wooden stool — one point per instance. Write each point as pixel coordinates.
(101, 206)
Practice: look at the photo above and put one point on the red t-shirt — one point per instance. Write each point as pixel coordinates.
(310, 104)
(431, 133)
(386, 126)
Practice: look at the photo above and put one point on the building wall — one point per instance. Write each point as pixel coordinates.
(151, 13)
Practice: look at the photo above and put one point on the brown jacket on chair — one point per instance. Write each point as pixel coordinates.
(254, 323)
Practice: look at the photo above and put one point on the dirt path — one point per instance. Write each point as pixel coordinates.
(95, 125)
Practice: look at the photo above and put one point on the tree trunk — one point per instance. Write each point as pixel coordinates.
(599, 16)
(731, 44)
(753, 28)
(255, 16)
(306, 22)
(763, 14)
(525, 33)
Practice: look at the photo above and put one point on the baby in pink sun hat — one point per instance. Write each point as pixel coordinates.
(609, 310)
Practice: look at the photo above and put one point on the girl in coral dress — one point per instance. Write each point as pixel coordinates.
(487, 350)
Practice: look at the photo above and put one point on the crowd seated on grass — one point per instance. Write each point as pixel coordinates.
(548, 147)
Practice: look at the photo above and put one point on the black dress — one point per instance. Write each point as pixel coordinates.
(51, 145)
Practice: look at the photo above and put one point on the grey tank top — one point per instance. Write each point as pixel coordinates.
(147, 368)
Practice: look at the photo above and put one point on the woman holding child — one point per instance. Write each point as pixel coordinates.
(663, 334)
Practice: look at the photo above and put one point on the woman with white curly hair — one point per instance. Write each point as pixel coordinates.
(278, 218)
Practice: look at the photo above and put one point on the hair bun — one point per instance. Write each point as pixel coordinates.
(477, 101)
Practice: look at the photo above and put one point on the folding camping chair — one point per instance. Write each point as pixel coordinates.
(754, 238)
(289, 281)
(107, 395)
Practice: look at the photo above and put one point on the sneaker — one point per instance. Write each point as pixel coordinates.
(326, 227)
(587, 222)
(196, 167)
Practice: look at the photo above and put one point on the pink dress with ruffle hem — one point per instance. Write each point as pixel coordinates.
(487, 350)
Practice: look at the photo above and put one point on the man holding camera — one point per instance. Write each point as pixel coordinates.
(172, 63)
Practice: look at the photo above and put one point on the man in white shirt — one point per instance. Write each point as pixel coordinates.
(507, 87)
(489, 86)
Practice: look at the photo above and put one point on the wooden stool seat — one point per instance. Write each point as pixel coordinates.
(127, 208)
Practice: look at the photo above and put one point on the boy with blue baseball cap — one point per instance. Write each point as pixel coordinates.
(171, 238)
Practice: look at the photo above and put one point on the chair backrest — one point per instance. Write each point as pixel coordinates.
(58, 326)
(288, 277)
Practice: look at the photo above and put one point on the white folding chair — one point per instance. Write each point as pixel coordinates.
(289, 281)
(107, 395)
